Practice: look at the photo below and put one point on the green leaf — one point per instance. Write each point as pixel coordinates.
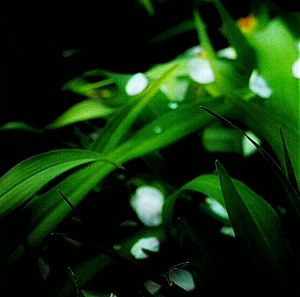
(203, 37)
(49, 209)
(25, 179)
(292, 193)
(219, 139)
(116, 130)
(288, 164)
(81, 86)
(147, 4)
(82, 111)
(256, 224)
(18, 126)
(236, 38)
(183, 27)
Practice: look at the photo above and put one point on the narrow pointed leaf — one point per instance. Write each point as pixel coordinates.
(288, 164)
(236, 38)
(255, 223)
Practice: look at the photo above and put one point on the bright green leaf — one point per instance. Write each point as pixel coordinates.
(82, 111)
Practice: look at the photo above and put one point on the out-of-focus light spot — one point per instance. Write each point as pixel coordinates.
(136, 84)
(173, 105)
(44, 268)
(152, 287)
(157, 130)
(200, 71)
(183, 279)
(259, 86)
(147, 203)
(216, 208)
(296, 68)
(248, 147)
(151, 244)
(227, 231)
(228, 53)
(71, 52)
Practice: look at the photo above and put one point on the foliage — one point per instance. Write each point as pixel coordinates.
(76, 201)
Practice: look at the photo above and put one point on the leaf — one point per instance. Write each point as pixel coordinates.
(82, 111)
(292, 194)
(81, 86)
(147, 4)
(288, 164)
(48, 211)
(220, 139)
(236, 38)
(18, 126)
(256, 224)
(120, 125)
(205, 184)
(183, 27)
(203, 37)
(28, 177)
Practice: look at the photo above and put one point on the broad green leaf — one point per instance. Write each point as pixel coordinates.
(82, 111)
(282, 108)
(256, 224)
(25, 179)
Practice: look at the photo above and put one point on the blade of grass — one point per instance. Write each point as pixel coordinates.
(288, 164)
(256, 224)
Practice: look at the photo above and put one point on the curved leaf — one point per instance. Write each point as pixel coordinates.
(82, 111)
(256, 224)
(28, 177)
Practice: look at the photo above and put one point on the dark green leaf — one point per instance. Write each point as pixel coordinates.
(256, 224)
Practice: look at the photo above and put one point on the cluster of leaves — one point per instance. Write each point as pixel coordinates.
(52, 204)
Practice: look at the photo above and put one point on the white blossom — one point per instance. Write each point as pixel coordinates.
(150, 243)
(199, 70)
(228, 53)
(147, 203)
(259, 86)
(136, 84)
